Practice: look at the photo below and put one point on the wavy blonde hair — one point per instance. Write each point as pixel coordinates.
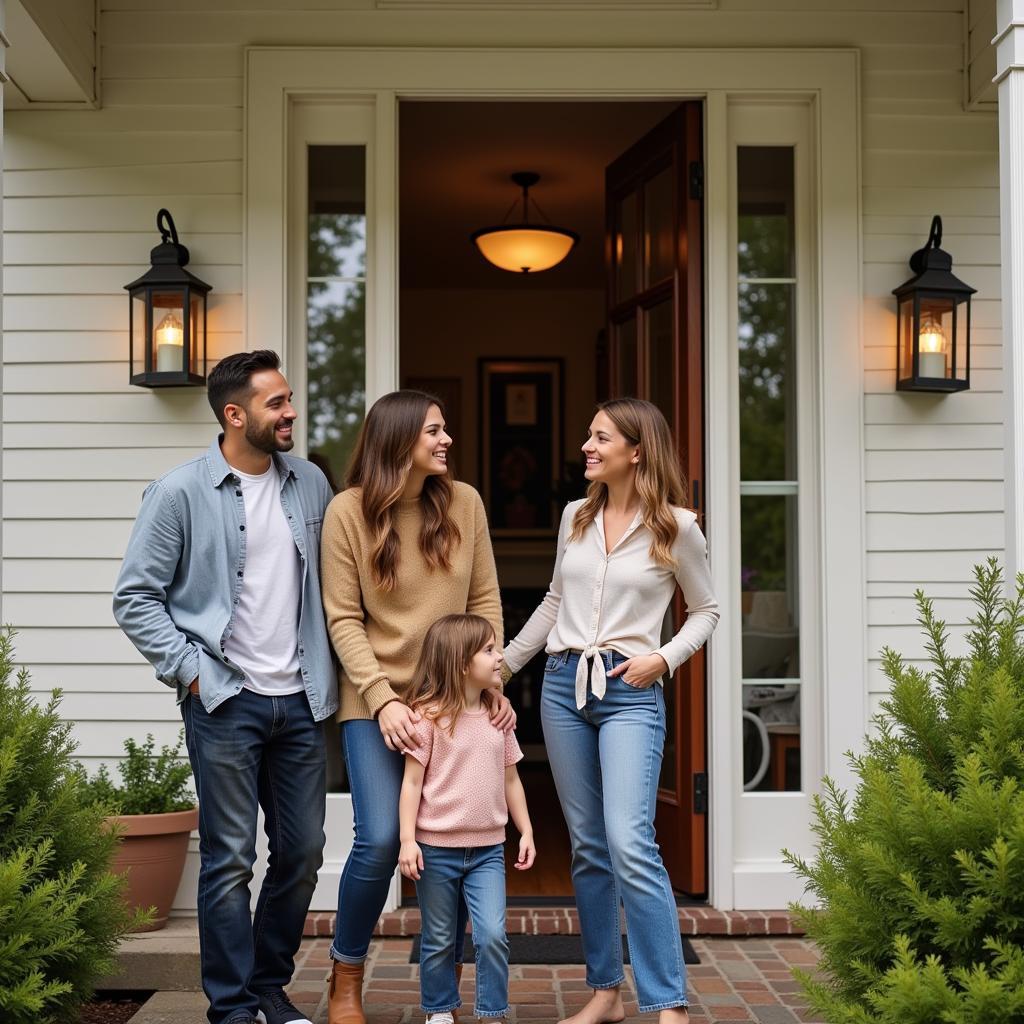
(380, 466)
(437, 688)
(659, 481)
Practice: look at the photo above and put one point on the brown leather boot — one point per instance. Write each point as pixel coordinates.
(345, 994)
(458, 982)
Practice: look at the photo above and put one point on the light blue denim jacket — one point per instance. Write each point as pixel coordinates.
(178, 588)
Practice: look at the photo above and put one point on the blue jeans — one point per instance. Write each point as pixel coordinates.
(375, 778)
(605, 758)
(479, 873)
(254, 751)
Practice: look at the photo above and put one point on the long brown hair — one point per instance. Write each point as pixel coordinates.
(380, 466)
(449, 646)
(659, 481)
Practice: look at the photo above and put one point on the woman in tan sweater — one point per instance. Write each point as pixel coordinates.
(401, 547)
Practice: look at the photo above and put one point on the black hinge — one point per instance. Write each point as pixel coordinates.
(700, 793)
(696, 180)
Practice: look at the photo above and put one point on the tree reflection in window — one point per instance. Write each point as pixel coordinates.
(336, 305)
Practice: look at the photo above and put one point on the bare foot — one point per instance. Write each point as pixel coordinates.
(677, 1015)
(605, 1007)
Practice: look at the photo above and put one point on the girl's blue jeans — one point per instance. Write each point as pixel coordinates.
(375, 778)
(606, 758)
(479, 873)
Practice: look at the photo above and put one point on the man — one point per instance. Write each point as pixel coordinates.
(220, 591)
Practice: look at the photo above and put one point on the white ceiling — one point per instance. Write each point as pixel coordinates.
(455, 162)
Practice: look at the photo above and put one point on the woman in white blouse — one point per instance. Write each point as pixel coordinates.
(621, 553)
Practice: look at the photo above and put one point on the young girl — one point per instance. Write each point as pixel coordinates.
(459, 787)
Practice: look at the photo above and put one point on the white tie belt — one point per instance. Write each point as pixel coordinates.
(597, 674)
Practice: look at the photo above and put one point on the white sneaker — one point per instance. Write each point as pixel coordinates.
(440, 1018)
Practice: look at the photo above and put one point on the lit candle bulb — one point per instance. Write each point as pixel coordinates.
(169, 341)
(931, 350)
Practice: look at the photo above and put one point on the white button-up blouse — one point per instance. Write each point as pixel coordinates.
(617, 601)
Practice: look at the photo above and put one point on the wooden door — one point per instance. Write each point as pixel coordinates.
(653, 236)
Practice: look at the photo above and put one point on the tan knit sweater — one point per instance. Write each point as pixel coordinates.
(378, 635)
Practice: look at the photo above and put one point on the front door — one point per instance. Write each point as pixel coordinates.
(655, 327)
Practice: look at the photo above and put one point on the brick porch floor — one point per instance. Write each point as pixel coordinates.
(737, 979)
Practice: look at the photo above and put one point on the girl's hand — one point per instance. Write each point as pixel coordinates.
(527, 853)
(410, 859)
(641, 672)
(502, 715)
(398, 726)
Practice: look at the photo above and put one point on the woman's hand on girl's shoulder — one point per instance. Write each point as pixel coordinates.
(503, 715)
(641, 672)
(398, 726)
(410, 859)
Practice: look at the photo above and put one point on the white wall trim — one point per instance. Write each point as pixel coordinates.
(830, 76)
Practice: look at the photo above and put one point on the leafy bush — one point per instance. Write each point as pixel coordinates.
(920, 878)
(61, 911)
(150, 783)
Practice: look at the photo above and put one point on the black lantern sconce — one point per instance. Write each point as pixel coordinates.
(167, 317)
(933, 324)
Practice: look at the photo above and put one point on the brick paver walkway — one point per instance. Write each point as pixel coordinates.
(737, 979)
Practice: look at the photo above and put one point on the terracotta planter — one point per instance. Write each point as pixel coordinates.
(152, 851)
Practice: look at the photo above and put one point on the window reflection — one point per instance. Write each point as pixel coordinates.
(336, 305)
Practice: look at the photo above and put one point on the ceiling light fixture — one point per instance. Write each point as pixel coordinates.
(524, 247)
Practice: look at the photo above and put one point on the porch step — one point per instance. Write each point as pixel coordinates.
(163, 961)
(565, 921)
(172, 1008)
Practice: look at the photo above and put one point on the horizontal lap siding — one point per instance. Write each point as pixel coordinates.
(82, 191)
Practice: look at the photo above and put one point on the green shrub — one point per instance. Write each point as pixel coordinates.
(920, 878)
(150, 783)
(61, 911)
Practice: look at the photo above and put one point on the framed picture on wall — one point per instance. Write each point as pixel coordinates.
(521, 445)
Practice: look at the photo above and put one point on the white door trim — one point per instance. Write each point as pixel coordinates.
(829, 78)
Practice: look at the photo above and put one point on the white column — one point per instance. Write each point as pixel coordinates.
(1009, 43)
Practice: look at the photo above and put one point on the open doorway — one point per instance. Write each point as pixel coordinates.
(470, 331)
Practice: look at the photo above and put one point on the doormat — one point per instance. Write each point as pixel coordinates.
(547, 949)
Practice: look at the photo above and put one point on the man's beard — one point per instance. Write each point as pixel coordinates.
(266, 440)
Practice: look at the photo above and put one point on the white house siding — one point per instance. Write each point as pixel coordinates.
(81, 193)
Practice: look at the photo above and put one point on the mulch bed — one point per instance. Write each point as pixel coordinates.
(112, 1007)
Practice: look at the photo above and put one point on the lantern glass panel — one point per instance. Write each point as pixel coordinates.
(168, 331)
(935, 336)
(961, 323)
(138, 333)
(197, 335)
(906, 337)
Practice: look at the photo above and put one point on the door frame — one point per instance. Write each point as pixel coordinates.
(828, 80)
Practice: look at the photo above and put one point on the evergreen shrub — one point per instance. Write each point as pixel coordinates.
(919, 879)
(61, 911)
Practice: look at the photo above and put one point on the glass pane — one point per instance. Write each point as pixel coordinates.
(958, 359)
(625, 350)
(168, 331)
(667, 778)
(768, 582)
(771, 738)
(336, 308)
(197, 335)
(935, 337)
(625, 248)
(658, 235)
(660, 346)
(138, 329)
(765, 224)
(905, 347)
(767, 365)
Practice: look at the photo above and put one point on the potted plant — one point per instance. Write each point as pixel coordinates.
(156, 813)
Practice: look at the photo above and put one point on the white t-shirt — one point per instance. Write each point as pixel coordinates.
(264, 640)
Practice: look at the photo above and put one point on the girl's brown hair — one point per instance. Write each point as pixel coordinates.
(659, 481)
(437, 689)
(380, 466)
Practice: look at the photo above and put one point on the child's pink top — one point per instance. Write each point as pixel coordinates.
(463, 798)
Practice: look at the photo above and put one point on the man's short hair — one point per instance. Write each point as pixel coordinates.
(231, 380)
